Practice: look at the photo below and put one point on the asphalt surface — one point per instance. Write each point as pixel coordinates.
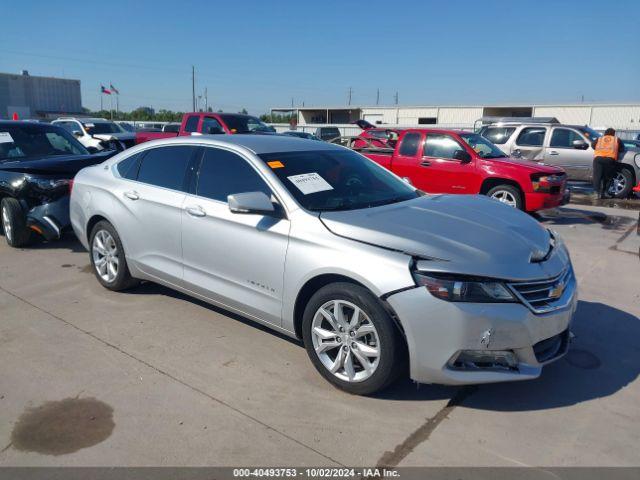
(152, 378)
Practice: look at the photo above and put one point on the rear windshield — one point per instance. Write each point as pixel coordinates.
(327, 180)
(30, 141)
(245, 124)
(101, 127)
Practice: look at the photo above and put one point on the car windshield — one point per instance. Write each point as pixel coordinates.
(590, 133)
(36, 140)
(245, 124)
(326, 180)
(101, 127)
(483, 147)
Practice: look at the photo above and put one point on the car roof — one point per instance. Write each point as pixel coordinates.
(436, 130)
(533, 124)
(257, 144)
(83, 119)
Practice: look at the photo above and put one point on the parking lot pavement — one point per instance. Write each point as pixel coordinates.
(172, 381)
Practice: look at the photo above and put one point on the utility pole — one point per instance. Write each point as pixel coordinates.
(350, 92)
(206, 100)
(378, 97)
(395, 97)
(193, 87)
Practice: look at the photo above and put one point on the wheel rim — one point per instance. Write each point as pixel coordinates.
(506, 197)
(618, 184)
(105, 256)
(6, 224)
(346, 341)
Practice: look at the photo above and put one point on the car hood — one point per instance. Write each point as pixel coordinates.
(529, 164)
(68, 164)
(464, 234)
(118, 136)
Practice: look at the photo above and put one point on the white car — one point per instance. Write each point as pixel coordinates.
(97, 133)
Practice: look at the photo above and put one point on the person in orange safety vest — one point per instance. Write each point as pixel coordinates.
(607, 151)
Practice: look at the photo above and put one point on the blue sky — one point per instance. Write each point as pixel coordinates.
(258, 54)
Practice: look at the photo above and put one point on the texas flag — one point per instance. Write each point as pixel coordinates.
(104, 90)
(114, 89)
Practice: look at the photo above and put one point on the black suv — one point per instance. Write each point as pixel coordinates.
(37, 164)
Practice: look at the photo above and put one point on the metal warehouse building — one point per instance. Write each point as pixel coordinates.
(619, 116)
(38, 97)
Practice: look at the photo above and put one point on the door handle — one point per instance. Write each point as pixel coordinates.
(425, 163)
(553, 152)
(133, 195)
(195, 211)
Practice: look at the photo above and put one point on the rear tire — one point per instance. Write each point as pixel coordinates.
(368, 354)
(507, 194)
(621, 184)
(108, 258)
(14, 223)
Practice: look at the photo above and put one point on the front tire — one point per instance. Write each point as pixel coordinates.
(351, 339)
(507, 194)
(14, 223)
(108, 258)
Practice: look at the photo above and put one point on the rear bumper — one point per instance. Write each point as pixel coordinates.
(439, 333)
(51, 219)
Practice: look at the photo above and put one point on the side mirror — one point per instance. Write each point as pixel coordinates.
(92, 150)
(77, 133)
(580, 145)
(516, 153)
(462, 155)
(256, 203)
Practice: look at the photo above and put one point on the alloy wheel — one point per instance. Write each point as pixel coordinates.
(346, 341)
(6, 224)
(618, 184)
(506, 197)
(105, 256)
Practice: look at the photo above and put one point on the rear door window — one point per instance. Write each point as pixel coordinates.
(192, 124)
(531, 137)
(223, 173)
(166, 166)
(409, 145)
(128, 168)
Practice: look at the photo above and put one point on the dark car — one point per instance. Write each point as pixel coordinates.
(37, 164)
(296, 133)
(327, 133)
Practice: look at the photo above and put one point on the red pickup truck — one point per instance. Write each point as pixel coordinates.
(206, 123)
(448, 161)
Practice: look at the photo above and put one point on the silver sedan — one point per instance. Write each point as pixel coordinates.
(322, 244)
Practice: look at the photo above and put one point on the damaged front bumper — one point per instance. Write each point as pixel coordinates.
(50, 219)
(457, 343)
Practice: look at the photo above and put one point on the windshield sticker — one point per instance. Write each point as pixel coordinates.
(5, 137)
(310, 183)
(276, 164)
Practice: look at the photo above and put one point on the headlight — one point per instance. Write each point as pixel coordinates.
(543, 183)
(464, 290)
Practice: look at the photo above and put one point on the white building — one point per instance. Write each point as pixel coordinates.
(620, 116)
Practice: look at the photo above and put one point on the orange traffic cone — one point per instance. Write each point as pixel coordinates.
(15, 116)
